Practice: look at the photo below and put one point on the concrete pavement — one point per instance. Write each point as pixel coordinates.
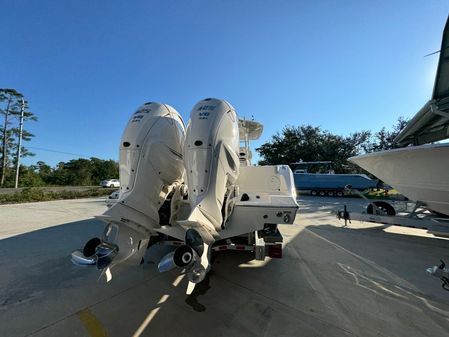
(363, 280)
(18, 219)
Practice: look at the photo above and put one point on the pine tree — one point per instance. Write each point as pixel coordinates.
(10, 109)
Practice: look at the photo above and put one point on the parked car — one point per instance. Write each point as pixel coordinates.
(110, 183)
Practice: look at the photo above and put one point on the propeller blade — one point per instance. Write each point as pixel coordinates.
(166, 263)
(190, 287)
(86, 257)
(105, 253)
(206, 256)
(79, 259)
(107, 274)
(194, 240)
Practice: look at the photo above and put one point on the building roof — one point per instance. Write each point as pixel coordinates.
(431, 123)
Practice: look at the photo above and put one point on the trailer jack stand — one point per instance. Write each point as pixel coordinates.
(442, 273)
(344, 214)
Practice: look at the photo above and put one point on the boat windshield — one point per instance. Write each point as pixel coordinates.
(323, 167)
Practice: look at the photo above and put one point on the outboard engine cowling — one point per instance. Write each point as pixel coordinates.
(211, 161)
(150, 161)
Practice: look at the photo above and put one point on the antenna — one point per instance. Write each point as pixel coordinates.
(436, 52)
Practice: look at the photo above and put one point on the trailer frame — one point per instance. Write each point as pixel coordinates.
(411, 215)
(257, 242)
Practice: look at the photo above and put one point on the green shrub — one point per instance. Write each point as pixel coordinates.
(30, 194)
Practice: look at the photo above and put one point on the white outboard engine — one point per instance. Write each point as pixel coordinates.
(211, 162)
(212, 167)
(151, 165)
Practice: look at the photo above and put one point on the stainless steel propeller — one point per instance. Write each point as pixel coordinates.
(190, 256)
(95, 252)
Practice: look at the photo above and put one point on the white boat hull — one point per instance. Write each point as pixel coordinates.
(421, 173)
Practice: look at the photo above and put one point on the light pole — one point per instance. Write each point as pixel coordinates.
(19, 146)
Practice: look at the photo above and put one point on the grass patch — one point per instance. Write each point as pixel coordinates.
(31, 194)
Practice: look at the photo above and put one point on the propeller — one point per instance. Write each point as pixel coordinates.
(182, 257)
(95, 252)
(193, 256)
(119, 244)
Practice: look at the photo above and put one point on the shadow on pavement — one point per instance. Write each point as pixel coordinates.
(406, 256)
(38, 261)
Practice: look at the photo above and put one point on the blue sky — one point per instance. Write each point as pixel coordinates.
(85, 66)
